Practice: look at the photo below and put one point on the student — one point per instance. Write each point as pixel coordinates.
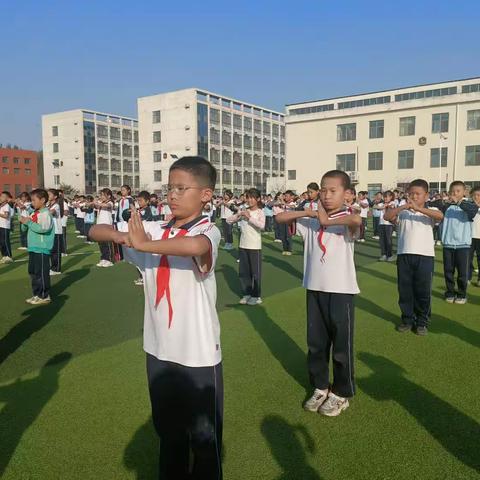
(277, 207)
(66, 214)
(386, 228)
(75, 209)
(312, 196)
(125, 202)
(226, 212)
(415, 256)
(287, 230)
(89, 220)
(181, 327)
(475, 248)
(377, 207)
(251, 222)
(5, 226)
(330, 281)
(364, 208)
(154, 208)
(268, 212)
(24, 208)
(105, 206)
(56, 212)
(41, 234)
(456, 240)
(81, 216)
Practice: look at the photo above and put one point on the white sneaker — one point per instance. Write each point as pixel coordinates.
(53, 272)
(6, 260)
(64, 254)
(362, 240)
(31, 299)
(101, 263)
(77, 231)
(376, 237)
(254, 301)
(460, 301)
(316, 400)
(333, 405)
(394, 234)
(138, 282)
(244, 300)
(21, 248)
(450, 299)
(383, 258)
(391, 259)
(277, 240)
(107, 264)
(40, 301)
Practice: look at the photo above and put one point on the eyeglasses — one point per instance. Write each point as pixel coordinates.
(180, 189)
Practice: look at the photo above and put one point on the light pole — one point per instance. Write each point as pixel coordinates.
(442, 138)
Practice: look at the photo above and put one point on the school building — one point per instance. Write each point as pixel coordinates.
(245, 142)
(18, 171)
(386, 139)
(90, 150)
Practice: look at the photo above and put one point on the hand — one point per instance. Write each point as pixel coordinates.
(245, 213)
(136, 233)
(322, 213)
(24, 220)
(310, 213)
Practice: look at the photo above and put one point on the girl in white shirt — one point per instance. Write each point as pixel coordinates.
(57, 214)
(24, 208)
(386, 228)
(251, 222)
(104, 207)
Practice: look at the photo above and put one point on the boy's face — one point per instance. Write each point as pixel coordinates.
(378, 197)
(349, 196)
(457, 192)
(51, 197)
(312, 194)
(418, 195)
(37, 202)
(193, 197)
(251, 201)
(3, 198)
(142, 202)
(287, 197)
(476, 197)
(332, 193)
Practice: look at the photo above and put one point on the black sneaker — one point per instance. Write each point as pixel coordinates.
(404, 327)
(422, 331)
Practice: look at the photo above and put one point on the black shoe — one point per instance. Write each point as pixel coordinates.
(422, 331)
(404, 327)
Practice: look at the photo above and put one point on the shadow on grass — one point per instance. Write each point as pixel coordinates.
(455, 431)
(287, 352)
(24, 400)
(141, 454)
(289, 445)
(38, 317)
(284, 266)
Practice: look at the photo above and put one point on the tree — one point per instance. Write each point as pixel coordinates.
(68, 190)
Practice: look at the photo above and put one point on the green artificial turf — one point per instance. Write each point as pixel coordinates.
(74, 403)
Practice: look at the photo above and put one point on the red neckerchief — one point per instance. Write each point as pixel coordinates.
(322, 230)
(122, 203)
(163, 270)
(34, 216)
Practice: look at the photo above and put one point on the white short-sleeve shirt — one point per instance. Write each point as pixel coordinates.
(331, 269)
(104, 216)
(57, 219)
(193, 338)
(415, 233)
(5, 222)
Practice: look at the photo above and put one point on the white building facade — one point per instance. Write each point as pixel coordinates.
(90, 150)
(386, 139)
(245, 142)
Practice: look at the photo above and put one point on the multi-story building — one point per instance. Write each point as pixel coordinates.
(90, 150)
(18, 170)
(386, 139)
(245, 142)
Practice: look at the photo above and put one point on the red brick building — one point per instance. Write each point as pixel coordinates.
(18, 170)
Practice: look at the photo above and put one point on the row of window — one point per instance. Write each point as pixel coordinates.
(236, 177)
(102, 131)
(438, 159)
(105, 180)
(18, 188)
(117, 149)
(116, 165)
(17, 160)
(16, 171)
(99, 117)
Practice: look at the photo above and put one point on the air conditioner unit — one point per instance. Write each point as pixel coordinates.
(187, 105)
(187, 149)
(187, 127)
(354, 177)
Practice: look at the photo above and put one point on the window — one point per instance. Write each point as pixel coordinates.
(257, 126)
(439, 122)
(214, 136)
(376, 129)
(28, 171)
(157, 175)
(157, 156)
(346, 162)
(16, 171)
(157, 137)
(4, 159)
(214, 115)
(26, 161)
(56, 163)
(472, 155)
(215, 156)
(307, 110)
(437, 92)
(226, 138)
(346, 132)
(375, 160)
(55, 147)
(115, 133)
(292, 174)
(156, 116)
(374, 188)
(275, 130)
(247, 124)
(54, 131)
(16, 160)
(237, 121)
(405, 159)
(5, 170)
(475, 87)
(364, 102)
(56, 180)
(435, 157)
(226, 119)
(407, 126)
(473, 120)
(6, 187)
(18, 189)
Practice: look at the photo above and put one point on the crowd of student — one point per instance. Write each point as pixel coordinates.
(175, 248)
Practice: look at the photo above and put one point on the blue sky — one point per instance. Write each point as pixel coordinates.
(105, 54)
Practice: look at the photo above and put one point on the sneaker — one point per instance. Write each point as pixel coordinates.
(316, 400)
(77, 231)
(333, 405)
(21, 248)
(31, 299)
(41, 301)
(107, 264)
(101, 263)
(64, 254)
(244, 300)
(138, 282)
(394, 234)
(277, 240)
(6, 260)
(53, 272)
(450, 299)
(362, 240)
(391, 259)
(421, 331)
(228, 246)
(438, 242)
(89, 243)
(404, 327)
(254, 301)
(287, 253)
(376, 237)
(460, 301)
(383, 258)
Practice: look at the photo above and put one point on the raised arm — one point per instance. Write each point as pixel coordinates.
(106, 233)
(289, 217)
(353, 220)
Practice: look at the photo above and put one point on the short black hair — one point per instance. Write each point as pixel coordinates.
(289, 192)
(457, 183)
(351, 189)
(199, 168)
(228, 193)
(107, 192)
(40, 193)
(419, 182)
(54, 191)
(8, 194)
(313, 186)
(127, 187)
(145, 195)
(344, 178)
(475, 189)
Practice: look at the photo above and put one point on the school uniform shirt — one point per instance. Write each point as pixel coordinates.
(57, 219)
(225, 211)
(375, 212)
(476, 225)
(5, 222)
(382, 212)
(90, 216)
(123, 204)
(364, 207)
(81, 213)
(65, 213)
(251, 236)
(104, 216)
(192, 336)
(328, 264)
(415, 234)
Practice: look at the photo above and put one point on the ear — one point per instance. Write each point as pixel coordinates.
(206, 195)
